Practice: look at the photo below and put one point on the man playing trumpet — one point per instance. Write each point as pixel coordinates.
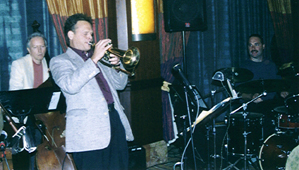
(96, 125)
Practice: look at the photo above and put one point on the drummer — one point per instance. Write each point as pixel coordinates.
(259, 65)
(262, 68)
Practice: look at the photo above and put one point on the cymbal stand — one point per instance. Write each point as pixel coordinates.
(245, 137)
(244, 106)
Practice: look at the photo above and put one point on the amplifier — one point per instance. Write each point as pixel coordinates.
(137, 160)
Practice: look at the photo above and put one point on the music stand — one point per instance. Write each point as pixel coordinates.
(22, 103)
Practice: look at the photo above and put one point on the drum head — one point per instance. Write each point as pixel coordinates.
(293, 159)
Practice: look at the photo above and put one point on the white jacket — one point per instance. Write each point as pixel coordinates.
(22, 74)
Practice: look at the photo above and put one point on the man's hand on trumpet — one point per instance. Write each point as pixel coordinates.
(114, 60)
(100, 49)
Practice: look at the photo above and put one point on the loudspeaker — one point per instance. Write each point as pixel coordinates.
(184, 15)
(137, 157)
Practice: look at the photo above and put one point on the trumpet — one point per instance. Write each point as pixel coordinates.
(129, 58)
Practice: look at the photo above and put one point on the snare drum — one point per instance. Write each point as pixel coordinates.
(275, 151)
(254, 129)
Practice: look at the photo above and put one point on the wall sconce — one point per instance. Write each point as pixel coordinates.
(143, 20)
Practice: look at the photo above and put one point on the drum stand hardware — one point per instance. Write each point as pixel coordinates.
(196, 98)
(245, 133)
(214, 156)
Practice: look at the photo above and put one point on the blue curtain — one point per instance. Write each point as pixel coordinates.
(16, 19)
(224, 44)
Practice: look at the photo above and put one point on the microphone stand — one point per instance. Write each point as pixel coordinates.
(214, 131)
(191, 129)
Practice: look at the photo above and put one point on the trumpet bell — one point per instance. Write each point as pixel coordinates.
(129, 58)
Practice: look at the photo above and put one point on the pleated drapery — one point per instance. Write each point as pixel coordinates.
(60, 10)
(281, 13)
(171, 53)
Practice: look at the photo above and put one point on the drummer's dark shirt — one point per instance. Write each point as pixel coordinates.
(261, 71)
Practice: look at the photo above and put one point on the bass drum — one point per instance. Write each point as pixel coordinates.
(275, 151)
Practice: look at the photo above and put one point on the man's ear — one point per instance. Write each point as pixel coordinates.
(28, 50)
(263, 46)
(70, 34)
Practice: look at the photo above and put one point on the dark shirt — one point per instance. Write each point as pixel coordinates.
(262, 71)
(99, 77)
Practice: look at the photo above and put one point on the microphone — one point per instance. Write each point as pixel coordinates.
(3, 137)
(177, 68)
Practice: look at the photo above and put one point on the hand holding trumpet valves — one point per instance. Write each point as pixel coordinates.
(129, 58)
(100, 50)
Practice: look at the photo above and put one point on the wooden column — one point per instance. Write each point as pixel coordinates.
(142, 97)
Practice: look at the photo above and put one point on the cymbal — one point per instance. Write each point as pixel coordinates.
(268, 85)
(236, 75)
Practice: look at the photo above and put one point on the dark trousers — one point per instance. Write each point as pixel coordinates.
(114, 157)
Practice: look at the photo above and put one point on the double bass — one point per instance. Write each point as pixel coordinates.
(51, 152)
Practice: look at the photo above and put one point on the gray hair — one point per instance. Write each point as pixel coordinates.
(36, 34)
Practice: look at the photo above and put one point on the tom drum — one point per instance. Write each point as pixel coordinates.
(238, 124)
(284, 119)
(292, 104)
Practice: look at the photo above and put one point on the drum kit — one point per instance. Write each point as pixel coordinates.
(245, 135)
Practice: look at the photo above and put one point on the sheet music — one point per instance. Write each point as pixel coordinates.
(54, 101)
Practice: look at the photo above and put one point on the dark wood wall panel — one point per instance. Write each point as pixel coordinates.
(146, 115)
(142, 97)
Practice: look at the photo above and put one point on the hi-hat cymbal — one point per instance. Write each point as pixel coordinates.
(236, 75)
(268, 85)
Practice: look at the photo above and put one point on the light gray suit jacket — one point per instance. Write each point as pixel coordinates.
(87, 116)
